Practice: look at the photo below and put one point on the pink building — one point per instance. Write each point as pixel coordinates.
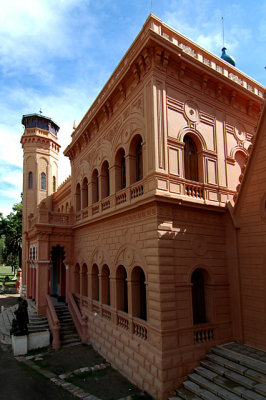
(143, 240)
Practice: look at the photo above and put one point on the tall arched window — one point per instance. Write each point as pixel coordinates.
(54, 183)
(78, 199)
(198, 297)
(191, 159)
(121, 289)
(139, 168)
(77, 279)
(95, 282)
(85, 193)
(139, 301)
(95, 186)
(120, 170)
(43, 181)
(84, 280)
(30, 180)
(105, 180)
(105, 280)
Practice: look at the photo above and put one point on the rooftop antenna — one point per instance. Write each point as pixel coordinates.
(151, 6)
(223, 29)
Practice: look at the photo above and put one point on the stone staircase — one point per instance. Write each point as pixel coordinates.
(229, 372)
(68, 332)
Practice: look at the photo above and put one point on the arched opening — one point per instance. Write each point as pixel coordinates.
(199, 279)
(105, 280)
(191, 159)
(105, 180)
(95, 186)
(54, 184)
(121, 289)
(58, 273)
(235, 172)
(136, 162)
(67, 207)
(43, 181)
(85, 193)
(139, 300)
(84, 280)
(120, 170)
(95, 282)
(78, 199)
(30, 180)
(77, 279)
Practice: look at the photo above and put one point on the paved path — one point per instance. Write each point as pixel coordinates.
(18, 382)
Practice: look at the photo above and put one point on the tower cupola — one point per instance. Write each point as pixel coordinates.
(226, 57)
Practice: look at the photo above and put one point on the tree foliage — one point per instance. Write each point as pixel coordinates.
(11, 236)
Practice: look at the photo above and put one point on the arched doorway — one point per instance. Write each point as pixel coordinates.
(58, 275)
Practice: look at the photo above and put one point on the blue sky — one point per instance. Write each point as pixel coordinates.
(57, 55)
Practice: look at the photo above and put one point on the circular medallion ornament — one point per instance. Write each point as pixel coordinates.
(128, 256)
(191, 111)
(240, 132)
(199, 246)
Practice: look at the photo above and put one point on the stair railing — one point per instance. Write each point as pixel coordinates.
(80, 321)
(53, 322)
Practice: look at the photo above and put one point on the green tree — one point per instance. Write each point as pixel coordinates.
(11, 233)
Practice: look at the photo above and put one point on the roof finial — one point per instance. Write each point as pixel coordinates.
(223, 29)
(40, 111)
(74, 125)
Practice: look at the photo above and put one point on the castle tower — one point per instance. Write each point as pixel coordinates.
(40, 168)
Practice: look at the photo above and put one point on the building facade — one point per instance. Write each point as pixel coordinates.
(141, 240)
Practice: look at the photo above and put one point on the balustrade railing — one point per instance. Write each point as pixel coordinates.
(121, 198)
(136, 191)
(203, 335)
(106, 313)
(140, 330)
(123, 322)
(95, 307)
(95, 209)
(193, 190)
(105, 204)
(53, 322)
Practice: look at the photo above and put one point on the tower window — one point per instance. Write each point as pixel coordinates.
(30, 182)
(43, 181)
(191, 159)
(54, 183)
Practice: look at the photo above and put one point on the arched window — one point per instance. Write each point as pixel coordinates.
(121, 289)
(84, 280)
(95, 282)
(139, 301)
(198, 296)
(54, 184)
(30, 180)
(85, 193)
(77, 279)
(191, 159)
(78, 199)
(120, 170)
(135, 159)
(95, 186)
(105, 180)
(105, 280)
(139, 168)
(67, 206)
(43, 181)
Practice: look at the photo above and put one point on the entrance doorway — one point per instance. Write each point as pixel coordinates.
(58, 273)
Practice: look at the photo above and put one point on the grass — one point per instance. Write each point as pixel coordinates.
(107, 384)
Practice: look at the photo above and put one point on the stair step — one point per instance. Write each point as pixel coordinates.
(186, 394)
(213, 387)
(245, 361)
(217, 368)
(226, 363)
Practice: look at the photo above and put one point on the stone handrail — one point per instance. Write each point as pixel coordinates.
(53, 322)
(80, 321)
